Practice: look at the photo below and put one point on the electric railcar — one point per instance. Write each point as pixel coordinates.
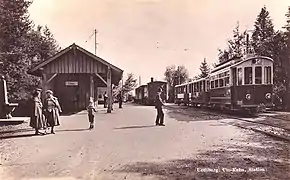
(238, 84)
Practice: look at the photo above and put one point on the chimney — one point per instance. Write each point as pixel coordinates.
(152, 79)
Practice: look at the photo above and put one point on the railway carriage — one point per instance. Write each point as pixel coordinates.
(146, 94)
(199, 92)
(238, 84)
(181, 94)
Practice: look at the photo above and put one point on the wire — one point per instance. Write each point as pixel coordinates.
(90, 37)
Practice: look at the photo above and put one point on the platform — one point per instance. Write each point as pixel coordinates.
(14, 120)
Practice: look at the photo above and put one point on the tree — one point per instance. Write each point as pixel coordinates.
(263, 34)
(287, 59)
(204, 68)
(237, 44)
(175, 76)
(20, 47)
(129, 85)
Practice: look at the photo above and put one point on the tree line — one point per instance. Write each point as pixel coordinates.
(24, 44)
(265, 41)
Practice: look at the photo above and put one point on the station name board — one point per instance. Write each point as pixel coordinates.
(71, 83)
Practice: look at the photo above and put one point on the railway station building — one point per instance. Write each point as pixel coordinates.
(74, 75)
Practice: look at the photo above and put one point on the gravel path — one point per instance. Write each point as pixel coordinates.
(127, 145)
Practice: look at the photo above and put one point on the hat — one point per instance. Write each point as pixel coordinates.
(49, 92)
(38, 89)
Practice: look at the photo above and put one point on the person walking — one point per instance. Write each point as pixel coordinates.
(158, 105)
(52, 109)
(37, 120)
(105, 99)
(91, 109)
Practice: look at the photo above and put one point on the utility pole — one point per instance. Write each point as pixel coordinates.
(95, 34)
(95, 41)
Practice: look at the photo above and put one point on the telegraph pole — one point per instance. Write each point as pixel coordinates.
(95, 41)
(95, 34)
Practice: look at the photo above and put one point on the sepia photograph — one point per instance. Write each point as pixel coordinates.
(144, 89)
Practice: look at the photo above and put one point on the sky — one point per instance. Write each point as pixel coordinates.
(144, 36)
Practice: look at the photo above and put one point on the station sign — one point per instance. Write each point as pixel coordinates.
(71, 83)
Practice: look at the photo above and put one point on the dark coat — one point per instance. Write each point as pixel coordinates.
(37, 120)
(158, 101)
(52, 109)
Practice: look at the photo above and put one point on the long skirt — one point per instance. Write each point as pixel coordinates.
(52, 118)
(38, 122)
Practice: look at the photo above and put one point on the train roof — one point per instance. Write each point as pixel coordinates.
(234, 62)
(158, 82)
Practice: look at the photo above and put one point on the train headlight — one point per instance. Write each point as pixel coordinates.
(268, 96)
(248, 96)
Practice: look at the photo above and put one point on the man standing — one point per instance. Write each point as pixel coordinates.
(105, 99)
(120, 99)
(158, 105)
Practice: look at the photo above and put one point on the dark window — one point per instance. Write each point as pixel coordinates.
(221, 83)
(216, 83)
(258, 75)
(240, 76)
(248, 75)
(227, 81)
(268, 75)
(212, 84)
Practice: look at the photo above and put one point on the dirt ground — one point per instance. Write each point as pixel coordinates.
(127, 145)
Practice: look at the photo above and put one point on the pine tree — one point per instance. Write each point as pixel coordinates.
(204, 68)
(263, 34)
(237, 43)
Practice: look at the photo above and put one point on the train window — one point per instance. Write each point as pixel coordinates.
(240, 76)
(216, 83)
(208, 85)
(258, 75)
(221, 82)
(248, 75)
(267, 75)
(212, 84)
(227, 81)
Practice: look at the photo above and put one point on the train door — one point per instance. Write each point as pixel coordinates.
(234, 86)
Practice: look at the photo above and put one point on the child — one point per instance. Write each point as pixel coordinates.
(91, 108)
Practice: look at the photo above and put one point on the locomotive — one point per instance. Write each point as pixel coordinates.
(146, 94)
(242, 84)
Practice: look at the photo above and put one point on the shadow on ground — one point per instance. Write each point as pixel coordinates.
(14, 136)
(73, 130)
(270, 159)
(135, 127)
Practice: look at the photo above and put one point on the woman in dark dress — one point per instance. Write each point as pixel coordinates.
(37, 120)
(52, 109)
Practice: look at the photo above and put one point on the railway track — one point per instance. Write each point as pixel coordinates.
(270, 125)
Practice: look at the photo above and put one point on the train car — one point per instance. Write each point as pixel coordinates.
(153, 87)
(181, 94)
(199, 92)
(146, 94)
(141, 93)
(243, 84)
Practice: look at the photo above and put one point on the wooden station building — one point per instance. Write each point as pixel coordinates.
(74, 75)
